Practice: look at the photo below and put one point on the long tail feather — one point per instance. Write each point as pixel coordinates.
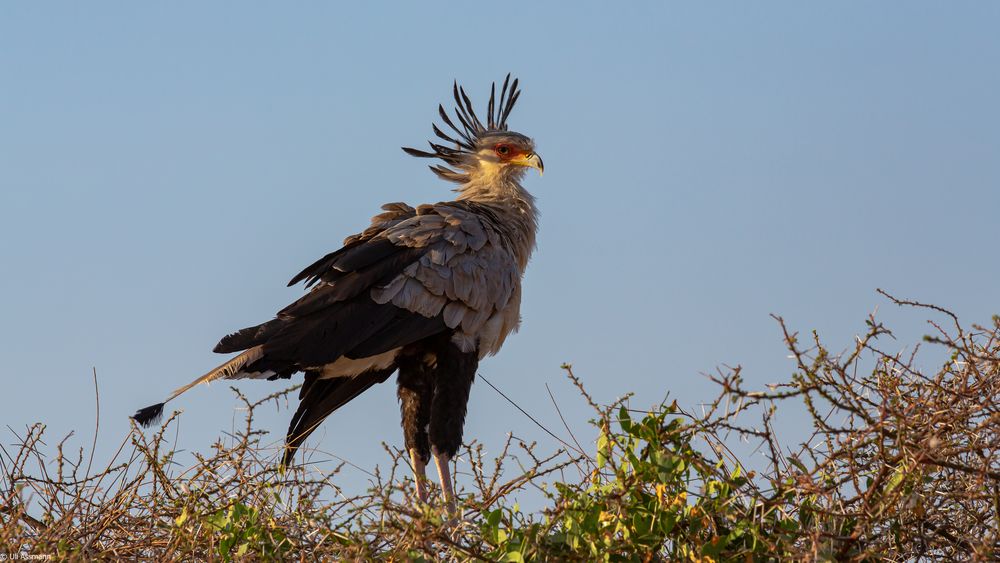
(151, 415)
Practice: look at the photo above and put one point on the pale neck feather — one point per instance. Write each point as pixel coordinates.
(500, 190)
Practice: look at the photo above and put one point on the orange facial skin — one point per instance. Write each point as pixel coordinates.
(505, 152)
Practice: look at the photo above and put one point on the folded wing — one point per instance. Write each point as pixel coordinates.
(413, 274)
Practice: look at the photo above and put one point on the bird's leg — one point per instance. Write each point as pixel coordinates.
(441, 460)
(419, 474)
(415, 393)
(453, 381)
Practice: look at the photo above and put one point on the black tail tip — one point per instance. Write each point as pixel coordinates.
(288, 457)
(148, 416)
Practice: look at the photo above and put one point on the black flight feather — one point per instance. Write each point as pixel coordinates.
(314, 271)
(353, 256)
(321, 337)
(248, 337)
(405, 329)
(319, 398)
(354, 283)
(365, 254)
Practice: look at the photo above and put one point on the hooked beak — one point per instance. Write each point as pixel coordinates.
(530, 160)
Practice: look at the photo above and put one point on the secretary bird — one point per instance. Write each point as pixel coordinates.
(426, 291)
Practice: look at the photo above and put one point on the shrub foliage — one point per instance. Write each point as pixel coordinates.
(903, 463)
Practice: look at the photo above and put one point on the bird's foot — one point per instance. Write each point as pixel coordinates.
(444, 474)
(419, 476)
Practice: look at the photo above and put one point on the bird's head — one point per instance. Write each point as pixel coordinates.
(479, 151)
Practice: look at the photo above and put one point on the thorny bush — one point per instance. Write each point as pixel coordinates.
(902, 465)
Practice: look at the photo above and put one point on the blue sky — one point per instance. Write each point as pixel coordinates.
(165, 169)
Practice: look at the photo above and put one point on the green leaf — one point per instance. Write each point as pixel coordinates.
(798, 464)
(225, 545)
(624, 420)
(667, 522)
(219, 520)
(182, 518)
(603, 449)
(895, 480)
(493, 518)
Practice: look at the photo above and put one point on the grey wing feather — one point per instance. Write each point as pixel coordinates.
(442, 262)
(466, 274)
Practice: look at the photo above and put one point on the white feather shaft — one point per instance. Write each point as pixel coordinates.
(225, 370)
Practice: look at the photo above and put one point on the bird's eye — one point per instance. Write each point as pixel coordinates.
(503, 150)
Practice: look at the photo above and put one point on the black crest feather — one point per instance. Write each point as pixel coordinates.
(470, 127)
